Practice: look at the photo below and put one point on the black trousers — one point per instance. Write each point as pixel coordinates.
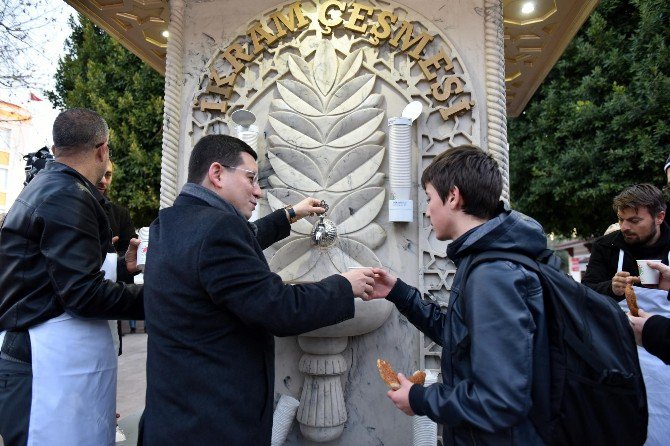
(16, 388)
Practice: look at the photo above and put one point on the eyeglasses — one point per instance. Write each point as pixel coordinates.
(253, 181)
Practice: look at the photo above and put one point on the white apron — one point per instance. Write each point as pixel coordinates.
(74, 380)
(656, 374)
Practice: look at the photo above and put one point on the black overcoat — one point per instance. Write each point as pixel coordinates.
(212, 308)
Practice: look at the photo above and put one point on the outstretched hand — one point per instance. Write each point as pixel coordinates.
(664, 280)
(638, 324)
(384, 283)
(308, 206)
(400, 397)
(362, 281)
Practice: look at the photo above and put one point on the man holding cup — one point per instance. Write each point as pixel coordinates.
(643, 236)
(625, 256)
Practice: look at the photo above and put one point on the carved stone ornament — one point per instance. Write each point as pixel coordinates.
(323, 89)
(322, 95)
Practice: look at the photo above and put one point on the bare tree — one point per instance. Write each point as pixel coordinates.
(25, 26)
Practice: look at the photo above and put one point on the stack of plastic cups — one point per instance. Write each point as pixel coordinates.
(250, 136)
(143, 235)
(424, 430)
(400, 145)
(282, 419)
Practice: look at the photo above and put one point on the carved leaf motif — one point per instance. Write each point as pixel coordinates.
(355, 127)
(300, 97)
(295, 130)
(295, 259)
(358, 209)
(372, 236)
(350, 66)
(351, 94)
(300, 70)
(325, 66)
(355, 168)
(375, 100)
(279, 105)
(351, 253)
(286, 162)
(280, 197)
(276, 182)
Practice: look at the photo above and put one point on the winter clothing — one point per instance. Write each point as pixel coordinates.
(656, 337)
(57, 358)
(495, 349)
(213, 306)
(603, 263)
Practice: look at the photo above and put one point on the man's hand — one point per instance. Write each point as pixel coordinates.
(362, 281)
(664, 282)
(619, 282)
(400, 397)
(131, 255)
(384, 283)
(638, 324)
(308, 206)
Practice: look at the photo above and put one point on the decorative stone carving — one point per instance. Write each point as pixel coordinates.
(328, 93)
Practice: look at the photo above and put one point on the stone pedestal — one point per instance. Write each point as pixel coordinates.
(322, 413)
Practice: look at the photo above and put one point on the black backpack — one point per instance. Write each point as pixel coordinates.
(598, 395)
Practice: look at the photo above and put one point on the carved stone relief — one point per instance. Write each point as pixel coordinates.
(322, 96)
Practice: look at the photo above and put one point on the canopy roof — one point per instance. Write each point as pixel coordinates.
(536, 34)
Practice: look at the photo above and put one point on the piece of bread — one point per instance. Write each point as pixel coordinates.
(390, 377)
(631, 300)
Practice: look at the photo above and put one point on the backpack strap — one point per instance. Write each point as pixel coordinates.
(490, 256)
(541, 425)
(530, 264)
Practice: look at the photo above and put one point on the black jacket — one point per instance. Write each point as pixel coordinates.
(656, 337)
(119, 221)
(604, 258)
(494, 340)
(122, 227)
(52, 245)
(212, 308)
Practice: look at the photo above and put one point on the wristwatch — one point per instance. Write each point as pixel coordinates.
(292, 216)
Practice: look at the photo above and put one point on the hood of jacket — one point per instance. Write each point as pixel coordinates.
(508, 231)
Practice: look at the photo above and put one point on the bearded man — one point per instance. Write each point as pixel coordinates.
(643, 236)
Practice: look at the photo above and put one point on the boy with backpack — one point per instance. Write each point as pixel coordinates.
(502, 382)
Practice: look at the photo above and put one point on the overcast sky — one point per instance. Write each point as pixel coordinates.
(48, 44)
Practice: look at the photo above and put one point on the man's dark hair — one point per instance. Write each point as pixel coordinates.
(640, 195)
(475, 173)
(222, 149)
(79, 129)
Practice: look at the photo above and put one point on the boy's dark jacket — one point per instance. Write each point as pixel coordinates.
(495, 350)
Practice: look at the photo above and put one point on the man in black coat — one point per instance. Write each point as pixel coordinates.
(213, 305)
(57, 360)
(643, 236)
(122, 231)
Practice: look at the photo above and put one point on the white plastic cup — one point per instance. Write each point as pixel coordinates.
(648, 276)
(143, 235)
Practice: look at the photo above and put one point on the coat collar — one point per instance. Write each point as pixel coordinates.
(55, 166)
(215, 201)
